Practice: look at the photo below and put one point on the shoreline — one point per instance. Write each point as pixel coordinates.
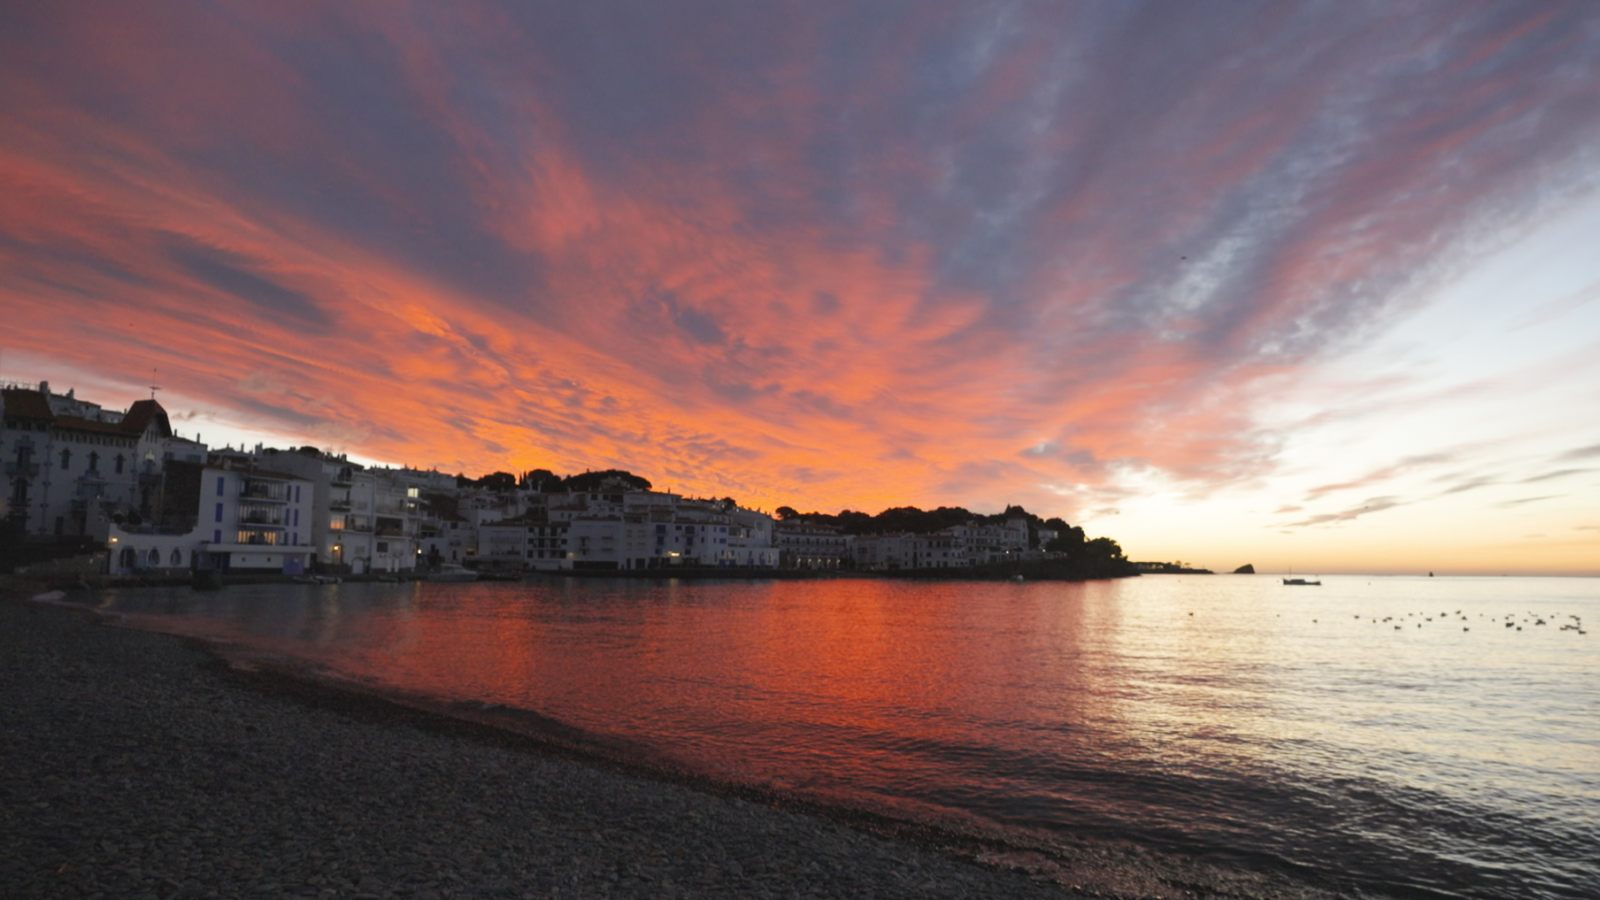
(968, 861)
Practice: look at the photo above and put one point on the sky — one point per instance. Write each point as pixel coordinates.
(1308, 285)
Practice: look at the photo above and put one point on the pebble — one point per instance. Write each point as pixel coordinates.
(133, 764)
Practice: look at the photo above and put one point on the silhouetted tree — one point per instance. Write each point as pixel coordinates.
(1104, 548)
(498, 481)
(786, 512)
(540, 480)
(593, 481)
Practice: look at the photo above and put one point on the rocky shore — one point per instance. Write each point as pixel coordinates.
(135, 764)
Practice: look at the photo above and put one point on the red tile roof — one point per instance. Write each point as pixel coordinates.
(76, 424)
(22, 403)
(141, 413)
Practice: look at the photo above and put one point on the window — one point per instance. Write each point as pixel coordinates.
(219, 512)
(155, 557)
(383, 546)
(94, 461)
(177, 557)
(221, 487)
(66, 458)
(121, 461)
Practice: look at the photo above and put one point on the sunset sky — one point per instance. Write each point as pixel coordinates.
(1295, 284)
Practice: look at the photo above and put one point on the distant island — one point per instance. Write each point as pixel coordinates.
(1170, 568)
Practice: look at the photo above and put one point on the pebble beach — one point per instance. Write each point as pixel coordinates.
(137, 764)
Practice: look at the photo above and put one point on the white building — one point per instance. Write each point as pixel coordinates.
(71, 467)
(617, 528)
(805, 545)
(246, 519)
(883, 552)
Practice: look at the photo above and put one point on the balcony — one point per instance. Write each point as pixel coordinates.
(269, 491)
(263, 540)
(261, 519)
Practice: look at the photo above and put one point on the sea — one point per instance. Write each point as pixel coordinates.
(1416, 737)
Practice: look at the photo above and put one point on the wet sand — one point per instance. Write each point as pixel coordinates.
(137, 764)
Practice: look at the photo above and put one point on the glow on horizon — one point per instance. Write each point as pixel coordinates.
(1305, 286)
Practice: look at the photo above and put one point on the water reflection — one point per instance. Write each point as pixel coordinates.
(1223, 713)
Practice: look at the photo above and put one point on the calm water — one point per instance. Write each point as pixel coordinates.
(1225, 715)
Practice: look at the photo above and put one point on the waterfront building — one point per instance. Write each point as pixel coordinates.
(228, 514)
(72, 467)
(806, 545)
(883, 552)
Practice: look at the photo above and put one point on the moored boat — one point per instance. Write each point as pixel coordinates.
(453, 572)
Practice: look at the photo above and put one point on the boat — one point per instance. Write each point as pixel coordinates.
(453, 572)
(1302, 581)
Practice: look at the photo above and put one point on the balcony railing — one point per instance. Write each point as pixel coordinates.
(268, 539)
(264, 492)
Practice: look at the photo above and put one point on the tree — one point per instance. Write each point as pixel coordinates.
(498, 481)
(1104, 548)
(1069, 538)
(537, 479)
(594, 481)
(786, 512)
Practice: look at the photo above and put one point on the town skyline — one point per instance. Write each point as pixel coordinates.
(1308, 287)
